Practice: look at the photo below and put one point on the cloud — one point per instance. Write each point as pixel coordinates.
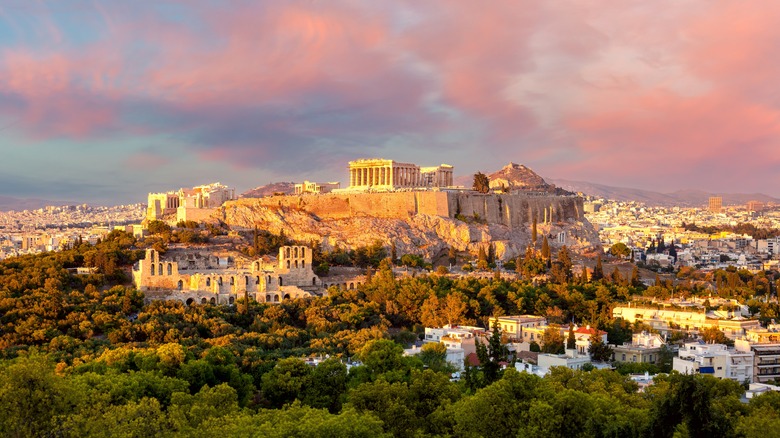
(627, 89)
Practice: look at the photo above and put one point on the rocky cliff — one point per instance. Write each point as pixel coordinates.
(419, 224)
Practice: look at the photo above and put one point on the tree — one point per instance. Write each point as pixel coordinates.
(452, 255)
(552, 340)
(454, 308)
(620, 250)
(571, 341)
(482, 259)
(545, 250)
(635, 277)
(534, 233)
(616, 277)
(598, 271)
(434, 356)
(491, 355)
(481, 183)
(598, 350)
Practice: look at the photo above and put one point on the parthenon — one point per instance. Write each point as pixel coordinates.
(377, 173)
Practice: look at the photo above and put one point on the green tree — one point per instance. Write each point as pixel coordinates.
(534, 232)
(545, 250)
(598, 270)
(598, 350)
(571, 341)
(552, 340)
(620, 249)
(481, 183)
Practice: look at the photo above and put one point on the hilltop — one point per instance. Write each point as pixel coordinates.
(270, 189)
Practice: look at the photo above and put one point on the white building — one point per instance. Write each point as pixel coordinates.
(716, 360)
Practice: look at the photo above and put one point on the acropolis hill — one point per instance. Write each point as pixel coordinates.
(422, 217)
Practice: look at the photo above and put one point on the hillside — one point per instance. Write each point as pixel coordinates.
(270, 189)
(681, 198)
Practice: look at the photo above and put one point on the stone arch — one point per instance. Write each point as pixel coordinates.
(288, 264)
(268, 298)
(208, 282)
(351, 286)
(295, 252)
(213, 300)
(314, 281)
(286, 296)
(203, 301)
(160, 269)
(189, 301)
(231, 300)
(180, 285)
(303, 252)
(296, 264)
(257, 279)
(170, 268)
(287, 252)
(268, 280)
(303, 263)
(246, 280)
(232, 281)
(219, 281)
(152, 264)
(276, 298)
(280, 281)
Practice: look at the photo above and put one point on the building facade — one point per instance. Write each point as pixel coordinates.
(716, 360)
(315, 187)
(382, 174)
(195, 278)
(194, 203)
(644, 348)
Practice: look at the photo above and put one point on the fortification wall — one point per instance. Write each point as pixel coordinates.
(513, 210)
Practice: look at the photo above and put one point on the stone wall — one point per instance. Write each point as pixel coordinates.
(512, 210)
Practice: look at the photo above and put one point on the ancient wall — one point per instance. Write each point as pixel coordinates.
(512, 210)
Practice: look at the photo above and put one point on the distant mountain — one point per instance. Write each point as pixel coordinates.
(682, 198)
(8, 203)
(269, 190)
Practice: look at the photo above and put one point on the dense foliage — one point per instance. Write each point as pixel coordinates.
(83, 355)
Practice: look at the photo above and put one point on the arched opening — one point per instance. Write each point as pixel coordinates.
(314, 281)
(303, 263)
(208, 282)
(296, 264)
(180, 285)
(246, 281)
(268, 280)
(351, 286)
(295, 252)
(190, 301)
(203, 301)
(303, 252)
(276, 298)
(288, 264)
(232, 281)
(159, 269)
(268, 298)
(280, 281)
(257, 279)
(231, 300)
(152, 269)
(213, 301)
(219, 281)
(287, 252)
(170, 268)
(286, 296)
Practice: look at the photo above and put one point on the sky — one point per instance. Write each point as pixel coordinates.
(104, 101)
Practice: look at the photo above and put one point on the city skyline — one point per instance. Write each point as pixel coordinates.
(104, 101)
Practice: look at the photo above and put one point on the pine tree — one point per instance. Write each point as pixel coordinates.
(635, 277)
(491, 255)
(598, 271)
(584, 277)
(545, 249)
(571, 341)
(452, 255)
(482, 259)
(616, 277)
(481, 183)
(393, 252)
(657, 280)
(534, 233)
